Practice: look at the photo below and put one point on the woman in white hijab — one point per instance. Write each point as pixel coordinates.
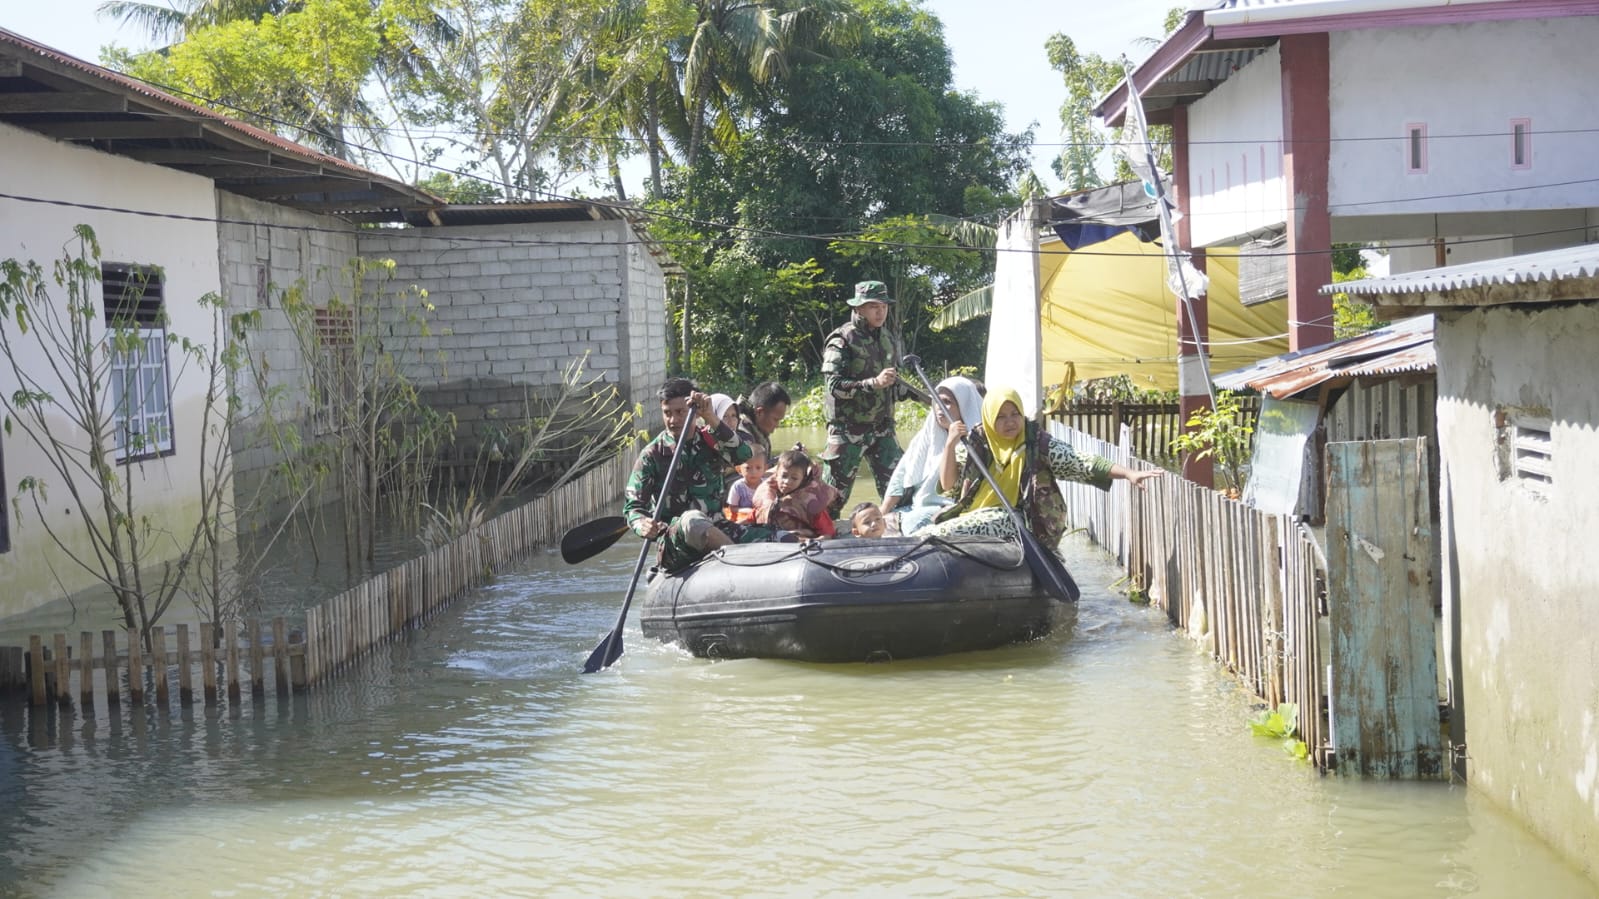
(913, 488)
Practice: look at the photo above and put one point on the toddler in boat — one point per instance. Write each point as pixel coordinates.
(794, 499)
(740, 503)
(866, 520)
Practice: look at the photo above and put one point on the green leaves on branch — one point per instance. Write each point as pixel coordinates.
(1221, 434)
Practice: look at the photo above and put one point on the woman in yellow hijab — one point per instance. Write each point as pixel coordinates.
(1025, 463)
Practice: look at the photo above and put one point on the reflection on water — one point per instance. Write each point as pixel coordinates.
(471, 759)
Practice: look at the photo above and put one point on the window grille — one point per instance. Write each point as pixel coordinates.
(1526, 447)
(334, 372)
(135, 318)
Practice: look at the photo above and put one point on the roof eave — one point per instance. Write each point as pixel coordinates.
(1503, 293)
(1171, 54)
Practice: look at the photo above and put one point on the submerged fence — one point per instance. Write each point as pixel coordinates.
(282, 656)
(1247, 585)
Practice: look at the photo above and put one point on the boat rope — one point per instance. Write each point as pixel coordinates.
(812, 551)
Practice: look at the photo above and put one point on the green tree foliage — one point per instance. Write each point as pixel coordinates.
(298, 72)
(1089, 77)
(1350, 316)
(840, 164)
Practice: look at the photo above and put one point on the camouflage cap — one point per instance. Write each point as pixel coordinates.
(870, 292)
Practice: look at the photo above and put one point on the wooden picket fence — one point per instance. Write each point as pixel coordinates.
(1151, 426)
(283, 655)
(1248, 586)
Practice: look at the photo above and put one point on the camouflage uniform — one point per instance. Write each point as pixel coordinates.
(860, 418)
(695, 502)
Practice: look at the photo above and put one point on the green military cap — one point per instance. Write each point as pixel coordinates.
(870, 292)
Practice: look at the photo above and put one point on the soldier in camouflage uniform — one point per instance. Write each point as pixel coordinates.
(761, 413)
(691, 523)
(858, 366)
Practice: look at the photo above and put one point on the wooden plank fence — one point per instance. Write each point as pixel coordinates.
(1248, 586)
(281, 655)
(1152, 426)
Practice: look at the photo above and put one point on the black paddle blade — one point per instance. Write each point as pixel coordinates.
(592, 538)
(605, 654)
(1049, 571)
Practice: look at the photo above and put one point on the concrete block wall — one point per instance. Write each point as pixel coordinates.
(646, 327)
(514, 305)
(266, 249)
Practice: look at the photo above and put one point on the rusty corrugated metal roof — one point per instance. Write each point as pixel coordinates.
(55, 84)
(1404, 346)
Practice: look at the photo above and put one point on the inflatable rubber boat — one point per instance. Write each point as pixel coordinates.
(852, 600)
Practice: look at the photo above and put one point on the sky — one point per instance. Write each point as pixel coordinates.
(998, 46)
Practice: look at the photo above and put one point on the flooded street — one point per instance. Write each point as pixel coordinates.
(471, 758)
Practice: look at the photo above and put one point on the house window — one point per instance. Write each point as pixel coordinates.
(135, 317)
(1416, 148)
(334, 375)
(1521, 143)
(1526, 447)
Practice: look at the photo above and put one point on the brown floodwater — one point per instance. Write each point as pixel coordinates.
(471, 758)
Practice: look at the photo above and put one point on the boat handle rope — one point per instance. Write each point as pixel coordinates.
(809, 551)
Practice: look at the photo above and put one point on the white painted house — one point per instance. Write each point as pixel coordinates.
(1452, 131)
(228, 209)
(1448, 130)
(1518, 432)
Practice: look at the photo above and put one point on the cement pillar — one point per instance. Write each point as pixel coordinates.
(1307, 130)
(1193, 331)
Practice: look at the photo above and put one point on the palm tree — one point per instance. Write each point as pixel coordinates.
(169, 22)
(738, 45)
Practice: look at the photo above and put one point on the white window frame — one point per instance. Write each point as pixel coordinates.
(1416, 148)
(140, 382)
(1521, 142)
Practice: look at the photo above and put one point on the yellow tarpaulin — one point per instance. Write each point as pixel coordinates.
(1106, 310)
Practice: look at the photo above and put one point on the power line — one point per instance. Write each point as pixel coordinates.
(428, 234)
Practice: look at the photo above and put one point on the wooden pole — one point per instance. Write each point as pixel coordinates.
(135, 666)
(86, 669)
(231, 647)
(280, 656)
(185, 675)
(208, 663)
(113, 691)
(158, 660)
(252, 627)
(36, 669)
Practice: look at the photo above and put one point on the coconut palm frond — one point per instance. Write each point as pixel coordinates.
(964, 232)
(975, 304)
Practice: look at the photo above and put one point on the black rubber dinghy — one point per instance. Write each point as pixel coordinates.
(852, 600)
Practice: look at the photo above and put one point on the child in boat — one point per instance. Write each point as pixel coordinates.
(794, 499)
(866, 520)
(740, 505)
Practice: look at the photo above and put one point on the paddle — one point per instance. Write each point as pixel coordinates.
(610, 649)
(592, 538)
(1045, 567)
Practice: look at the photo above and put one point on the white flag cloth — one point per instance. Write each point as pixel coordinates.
(1184, 280)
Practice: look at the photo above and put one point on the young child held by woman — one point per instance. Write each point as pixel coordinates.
(740, 504)
(795, 499)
